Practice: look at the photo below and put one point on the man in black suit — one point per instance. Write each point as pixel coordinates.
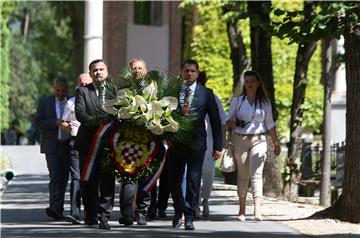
(55, 145)
(197, 101)
(89, 112)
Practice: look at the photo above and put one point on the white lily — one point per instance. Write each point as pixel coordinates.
(156, 129)
(124, 113)
(155, 110)
(141, 119)
(150, 91)
(173, 126)
(124, 93)
(139, 102)
(170, 102)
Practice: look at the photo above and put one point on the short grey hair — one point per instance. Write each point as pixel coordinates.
(61, 79)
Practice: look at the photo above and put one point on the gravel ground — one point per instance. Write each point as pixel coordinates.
(294, 215)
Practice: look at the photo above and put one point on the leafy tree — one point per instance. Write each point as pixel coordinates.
(284, 57)
(234, 12)
(41, 47)
(335, 19)
(5, 7)
(211, 52)
(306, 49)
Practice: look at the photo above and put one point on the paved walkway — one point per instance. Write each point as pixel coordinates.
(25, 198)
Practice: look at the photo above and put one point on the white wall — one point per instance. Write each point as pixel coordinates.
(151, 43)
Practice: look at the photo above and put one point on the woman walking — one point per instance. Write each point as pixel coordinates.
(250, 117)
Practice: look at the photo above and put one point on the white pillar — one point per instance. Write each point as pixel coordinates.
(93, 32)
(340, 76)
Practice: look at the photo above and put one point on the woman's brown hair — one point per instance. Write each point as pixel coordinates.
(261, 93)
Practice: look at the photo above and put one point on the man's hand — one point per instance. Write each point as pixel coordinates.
(65, 126)
(217, 154)
(231, 124)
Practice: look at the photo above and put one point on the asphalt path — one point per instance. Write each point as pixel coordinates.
(25, 198)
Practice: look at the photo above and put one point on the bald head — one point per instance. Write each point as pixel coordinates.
(138, 68)
(84, 79)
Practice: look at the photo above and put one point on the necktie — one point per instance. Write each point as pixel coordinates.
(186, 106)
(101, 96)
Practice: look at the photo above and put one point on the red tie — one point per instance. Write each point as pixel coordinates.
(186, 106)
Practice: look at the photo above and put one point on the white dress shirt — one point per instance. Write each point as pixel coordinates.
(69, 116)
(258, 118)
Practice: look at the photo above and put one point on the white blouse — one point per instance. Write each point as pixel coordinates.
(257, 118)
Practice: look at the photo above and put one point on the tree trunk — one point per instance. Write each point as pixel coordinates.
(325, 190)
(76, 13)
(261, 61)
(347, 207)
(190, 19)
(304, 54)
(238, 57)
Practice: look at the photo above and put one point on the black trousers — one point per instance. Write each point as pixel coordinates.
(75, 196)
(179, 157)
(164, 188)
(58, 167)
(98, 192)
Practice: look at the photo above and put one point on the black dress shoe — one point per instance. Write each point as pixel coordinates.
(176, 223)
(104, 224)
(127, 221)
(75, 220)
(141, 219)
(54, 214)
(189, 225)
(91, 221)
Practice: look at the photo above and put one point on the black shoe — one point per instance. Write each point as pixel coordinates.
(176, 223)
(162, 214)
(126, 221)
(141, 219)
(189, 225)
(104, 224)
(54, 214)
(91, 221)
(75, 220)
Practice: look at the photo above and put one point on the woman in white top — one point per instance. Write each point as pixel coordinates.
(250, 117)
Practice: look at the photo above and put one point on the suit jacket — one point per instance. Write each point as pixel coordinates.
(89, 113)
(46, 121)
(204, 103)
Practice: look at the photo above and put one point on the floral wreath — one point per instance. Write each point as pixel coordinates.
(144, 114)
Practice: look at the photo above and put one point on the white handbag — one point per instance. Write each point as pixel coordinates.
(228, 164)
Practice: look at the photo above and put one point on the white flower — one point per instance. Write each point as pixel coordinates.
(156, 129)
(150, 91)
(124, 113)
(170, 102)
(139, 102)
(141, 119)
(173, 126)
(124, 93)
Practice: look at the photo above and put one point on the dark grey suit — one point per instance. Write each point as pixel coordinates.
(89, 112)
(192, 153)
(56, 152)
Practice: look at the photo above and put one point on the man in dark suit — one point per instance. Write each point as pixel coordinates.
(55, 145)
(197, 101)
(89, 112)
